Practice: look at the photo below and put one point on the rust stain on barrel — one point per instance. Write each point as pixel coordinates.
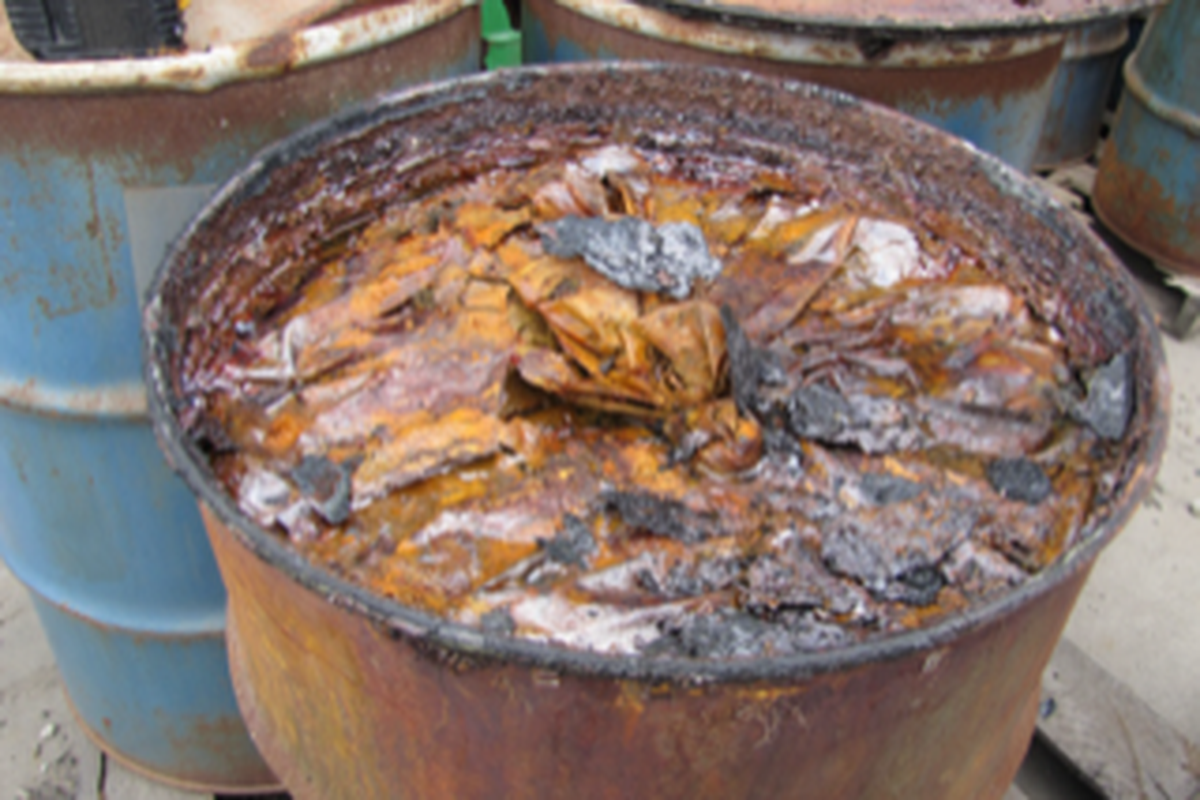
(168, 128)
(377, 706)
(275, 51)
(1133, 202)
(935, 15)
(886, 84)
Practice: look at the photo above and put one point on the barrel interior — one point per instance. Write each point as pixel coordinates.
(333, 176)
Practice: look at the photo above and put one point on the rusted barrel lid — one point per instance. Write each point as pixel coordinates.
(913, 17)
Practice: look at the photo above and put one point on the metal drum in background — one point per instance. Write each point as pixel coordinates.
(1148, 183)
(991, 87)
(354, 695)
(1091, 56)
(1137, 24)
(101, 163)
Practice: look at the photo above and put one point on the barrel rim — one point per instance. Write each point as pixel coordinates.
(1167, 110)
(220, 65)
(1096, 39)
(906, 21)
(471, 643)
(782, 40)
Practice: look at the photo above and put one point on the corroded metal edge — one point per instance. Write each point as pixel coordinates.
(1096, 39)
(433, 632)
(1071, 130)
(659, 20)
(905, 18)
(952, 722)
(1164, 258)
(120, 401)
(1173, 113)
(991, 89)
(231, 63)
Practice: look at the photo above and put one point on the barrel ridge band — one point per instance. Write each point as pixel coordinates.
(1164, 109)
(125, 400)
(204, 71)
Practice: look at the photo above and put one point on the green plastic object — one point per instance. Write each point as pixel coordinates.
(503, 44)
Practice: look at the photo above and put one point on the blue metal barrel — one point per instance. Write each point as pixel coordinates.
(991, 87)
(1091, 56)
(1148, 181)
(101, 164)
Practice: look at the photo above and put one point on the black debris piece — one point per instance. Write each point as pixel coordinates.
(849, 553)
(211, 437)
(818, 412)
(773, 583)
(805, 633)
(572, 544)
(881, 489)
(918, 586)
(635, 254)
(691, 580)
(1110, 315)
(725, 634)
(661, 517)
(1109, 402)
(326, 485)
(873, 424)
(1047, 708)
(735, 634)
(779, 442)
(1019, 479)
(748, 365)
(685, 450)
(498, 621)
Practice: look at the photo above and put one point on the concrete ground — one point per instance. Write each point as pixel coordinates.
(1136, 618)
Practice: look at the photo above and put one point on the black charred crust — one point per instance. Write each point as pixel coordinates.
(498, 621)
(210, 436)
(1108, 406)
(819, 412)
(326, 485)
(881, 489)
(777, 440)
(871, 423)
(917, 586)
(736, 634)
(725, 634)
(746, 367)
(772, 584)
(750, 369)
(634, 253)
(849, 553)
(446, 657)
(692, 580)
(658, 516)
(572, 544)
(875, 46)
(1019, 479)
(1110, 312)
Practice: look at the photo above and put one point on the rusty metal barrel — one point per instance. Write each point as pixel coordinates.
(101, 163)
(1148, 180)
(982, 70)
(351, 694)
(1091, 56)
